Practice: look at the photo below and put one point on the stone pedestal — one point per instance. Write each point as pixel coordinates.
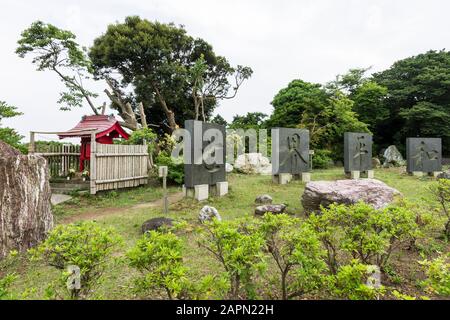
(221, 188)
(306, 177)
(370, 174)
(355, 175)
(417, 173)
(436, 173)
(282, 178)
(199, 192)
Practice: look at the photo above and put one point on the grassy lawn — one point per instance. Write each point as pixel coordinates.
(127, 220)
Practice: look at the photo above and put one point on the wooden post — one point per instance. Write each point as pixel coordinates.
(31, 146)
(162, 172)
(93, 161)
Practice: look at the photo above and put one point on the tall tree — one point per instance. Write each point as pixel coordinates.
(174, 74)
(252, 120)
(56, 50)
(418, 98)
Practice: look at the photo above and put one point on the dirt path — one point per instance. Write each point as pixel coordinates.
(111, 211)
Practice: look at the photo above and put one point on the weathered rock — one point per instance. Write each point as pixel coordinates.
(156, 224)
(263, 199)
(273, 208)
(207, 213)
(444, 175)
(253, 163)
(393, 157)
(324, 193)
(376, 163)
(228, 168)
(25, 209)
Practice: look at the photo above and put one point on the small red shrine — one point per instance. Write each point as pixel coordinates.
(106, 127)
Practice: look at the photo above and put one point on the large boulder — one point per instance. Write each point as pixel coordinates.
(393, 157)
(324, 193)
(253, 163)
(25, 209)
(157, 223)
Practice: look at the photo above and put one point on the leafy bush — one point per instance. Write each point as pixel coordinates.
(438, 275)
(85, 245)
(367, 234)
(350, 283)
(297, 252)
(322, 159)
(237, 245)
(175, 172)
(158, 256)
(441, 193)
(5, 283)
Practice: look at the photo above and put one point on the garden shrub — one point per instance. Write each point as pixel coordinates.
(438, 275)
(237, 245)
(441, 193)
(83, 244)
(297, 252)
(350, 283)
(365, 233)
(322, 159)
(175, 172)
(158, 256)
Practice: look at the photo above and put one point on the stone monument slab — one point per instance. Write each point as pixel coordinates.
(357, 151)
(290, 151)
(424, 154)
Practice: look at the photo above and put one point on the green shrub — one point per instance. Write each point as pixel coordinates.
(441, 193)
(297, 252)
(237, 245)
(350, 283)
(85, 245)
(438, 275)
(175, 172)
(158, 256)
(5, 283)
(365, 233)
(322, 159)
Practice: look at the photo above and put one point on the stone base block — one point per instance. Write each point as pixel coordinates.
(282, 178)
(417, 173)
(370, 174)
(355, 175)
(199, 192)
(221, 188)
(306, 177)
(436, 173)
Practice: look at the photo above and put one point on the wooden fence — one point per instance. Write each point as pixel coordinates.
(60, 158)
(118, 166)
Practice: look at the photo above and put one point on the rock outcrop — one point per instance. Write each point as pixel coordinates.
(25, 209)
(324, 193)
(393, 157)
(156, 224)
(273, 208)
(253, 163)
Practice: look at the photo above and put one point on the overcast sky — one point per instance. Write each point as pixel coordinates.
(280, 40)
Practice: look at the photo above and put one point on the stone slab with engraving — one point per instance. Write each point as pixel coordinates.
(290, 151)
(424, 154)
(357, 151)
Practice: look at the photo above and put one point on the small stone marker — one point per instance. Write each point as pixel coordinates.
(162, 173)
(74, 279)
(374, 277)
(207, 213)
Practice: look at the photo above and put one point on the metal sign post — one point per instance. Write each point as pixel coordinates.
(162, 173)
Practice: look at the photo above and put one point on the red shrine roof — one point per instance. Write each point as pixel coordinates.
(103, 124)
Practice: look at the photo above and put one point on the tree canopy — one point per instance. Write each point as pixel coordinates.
(170, 71)
(9, 135)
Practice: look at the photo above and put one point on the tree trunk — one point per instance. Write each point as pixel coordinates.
(25, 210)
(169, 113)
